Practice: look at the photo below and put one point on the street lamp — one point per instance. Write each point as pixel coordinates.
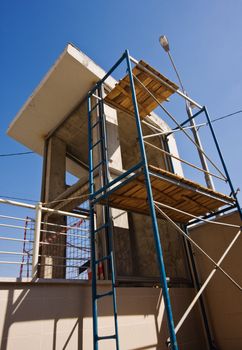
(209, 181)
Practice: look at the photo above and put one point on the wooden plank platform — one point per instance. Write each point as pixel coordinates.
(170, 189)
(120, 97)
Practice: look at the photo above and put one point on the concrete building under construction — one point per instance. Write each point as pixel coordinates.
(124, 245)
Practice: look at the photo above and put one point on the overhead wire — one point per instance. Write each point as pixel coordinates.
(16, 154)
(19, 198)
(225, 116)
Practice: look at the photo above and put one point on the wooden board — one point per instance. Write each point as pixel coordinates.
(170, 189)
(120, 97)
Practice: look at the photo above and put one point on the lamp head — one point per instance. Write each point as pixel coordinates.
(164, 43)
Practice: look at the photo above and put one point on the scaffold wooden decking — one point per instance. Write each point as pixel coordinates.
(170, 189)
(121, 97)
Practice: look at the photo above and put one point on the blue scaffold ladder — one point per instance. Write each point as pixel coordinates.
(96, 111)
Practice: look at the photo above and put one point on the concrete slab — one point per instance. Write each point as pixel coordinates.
(64, 86)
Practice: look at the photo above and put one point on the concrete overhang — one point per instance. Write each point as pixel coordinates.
(64, 86)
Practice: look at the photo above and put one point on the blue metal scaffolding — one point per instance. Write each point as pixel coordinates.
(100, 196)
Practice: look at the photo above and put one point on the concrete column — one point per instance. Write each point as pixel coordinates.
(122, 244)
(53, 185)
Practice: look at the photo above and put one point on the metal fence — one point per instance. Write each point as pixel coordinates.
(36, 241)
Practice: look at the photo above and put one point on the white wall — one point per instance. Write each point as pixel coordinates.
(223, 299)
(57, 315)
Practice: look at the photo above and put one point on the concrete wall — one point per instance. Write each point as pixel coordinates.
(223, 299)
(135, 253)
(142, 258)
(57, 315)
(133, 246)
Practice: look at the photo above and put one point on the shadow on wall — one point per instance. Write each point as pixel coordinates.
(51, 316)
(40, 316)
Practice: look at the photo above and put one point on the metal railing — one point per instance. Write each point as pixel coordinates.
(36, 241)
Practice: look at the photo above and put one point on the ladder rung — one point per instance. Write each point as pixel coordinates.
(98, 296)
(106, 337)
(98, 97)
(102, 259)
(94, 107)
(100, 228)
(97, 166)
(95, 144)
(95, 124)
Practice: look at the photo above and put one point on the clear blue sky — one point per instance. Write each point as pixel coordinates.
(205, 39)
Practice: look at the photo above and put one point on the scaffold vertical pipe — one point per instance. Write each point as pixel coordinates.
(93, 248)
(165, 292)
(222, 161)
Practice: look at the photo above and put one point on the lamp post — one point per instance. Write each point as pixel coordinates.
(209, 181)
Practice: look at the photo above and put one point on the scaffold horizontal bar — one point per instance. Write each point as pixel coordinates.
(193, 216)
(97, 97)
(102, 197)
(101, 81)
(167, 133)
(205, 217)
(165, 83)
(178, 183)
(183, 161)
(119, 178)
(187, 120)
